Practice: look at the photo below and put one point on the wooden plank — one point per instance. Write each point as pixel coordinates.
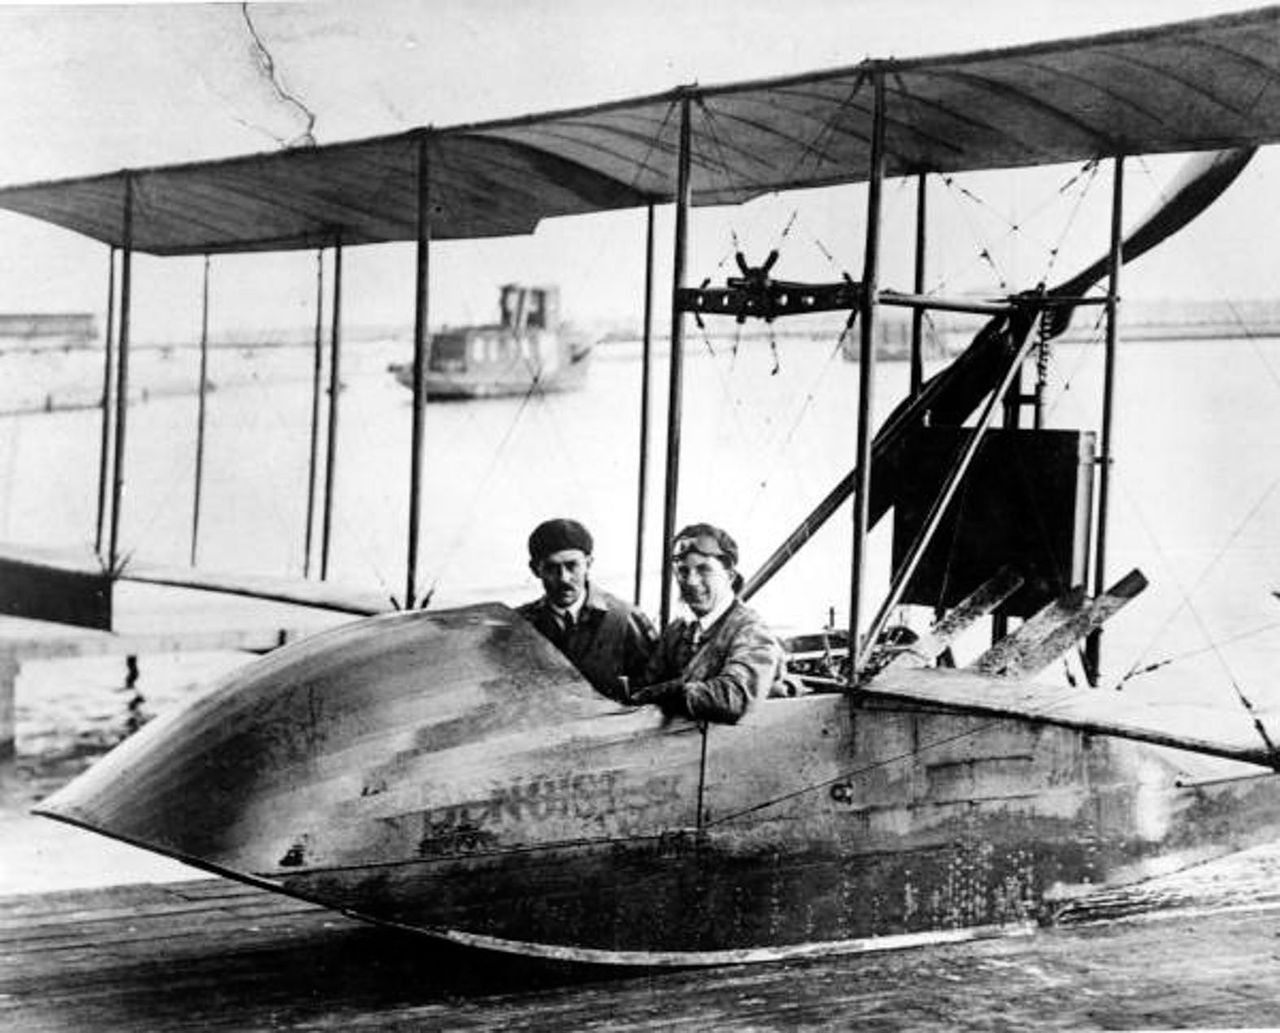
(1002, 657)
(45, 928)
(1053, 630)
(1101, 609)
(956, 621)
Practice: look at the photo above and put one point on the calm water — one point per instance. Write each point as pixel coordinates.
(768, 431)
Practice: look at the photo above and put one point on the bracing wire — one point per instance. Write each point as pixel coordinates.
(1139, 666)
(968, 201)
(351, 529)
(1185, 594)
(1200, 651)
(480, 485)
(802, 413)
(818, 152)
(720, 163)
(643, 165)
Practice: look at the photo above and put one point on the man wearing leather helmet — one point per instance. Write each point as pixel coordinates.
(714, 665)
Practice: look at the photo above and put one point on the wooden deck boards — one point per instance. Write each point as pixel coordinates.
(216, 955)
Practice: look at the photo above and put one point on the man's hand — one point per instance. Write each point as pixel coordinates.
(667, 694)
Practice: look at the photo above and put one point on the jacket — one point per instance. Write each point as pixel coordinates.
(611, 638)
(738, 661)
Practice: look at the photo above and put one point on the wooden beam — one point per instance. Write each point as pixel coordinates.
(866, 380)
(1053, 630)
(675, 385)
(421, 350)
(316, 371)
(335, 388)
(104, 447)
(1093, 648)
(202, 395)
(1003, 656)
(122, 377)
(646, 372)
(918, 283)
(985, 598)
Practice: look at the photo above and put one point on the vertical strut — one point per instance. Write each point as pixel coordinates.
(866, 376)
(202, 392)
(313, 463)
(917, 313)
(1093, 645)
(104, 445)
(646, 369)
(676, 384)
(1012, 420)
(335, 387)
(421, 343)
(122, 374)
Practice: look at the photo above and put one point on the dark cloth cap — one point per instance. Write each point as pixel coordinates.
(707, 540)
(556, 535)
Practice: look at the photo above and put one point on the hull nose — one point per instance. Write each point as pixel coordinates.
(262, 774)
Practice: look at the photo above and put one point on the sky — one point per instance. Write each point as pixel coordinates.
(96, 88)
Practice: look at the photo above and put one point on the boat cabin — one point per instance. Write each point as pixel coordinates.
(524, 342)
(533, 308)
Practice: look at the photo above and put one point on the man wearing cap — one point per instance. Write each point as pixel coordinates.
(606, 638)
(714, 666)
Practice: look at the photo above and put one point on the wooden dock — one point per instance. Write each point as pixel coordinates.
(215, 955)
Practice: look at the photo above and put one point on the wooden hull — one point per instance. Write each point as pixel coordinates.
(448, 772)
(452, 387)
(535, 361)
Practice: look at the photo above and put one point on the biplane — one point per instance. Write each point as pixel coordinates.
(448, 772)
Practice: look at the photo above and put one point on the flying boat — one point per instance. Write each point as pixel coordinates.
(447, 771)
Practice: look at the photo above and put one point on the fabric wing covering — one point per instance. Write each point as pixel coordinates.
(1200, 85)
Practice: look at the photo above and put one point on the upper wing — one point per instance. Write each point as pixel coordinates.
(1200, 85)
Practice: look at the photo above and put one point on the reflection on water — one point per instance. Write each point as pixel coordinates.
(69, 712)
